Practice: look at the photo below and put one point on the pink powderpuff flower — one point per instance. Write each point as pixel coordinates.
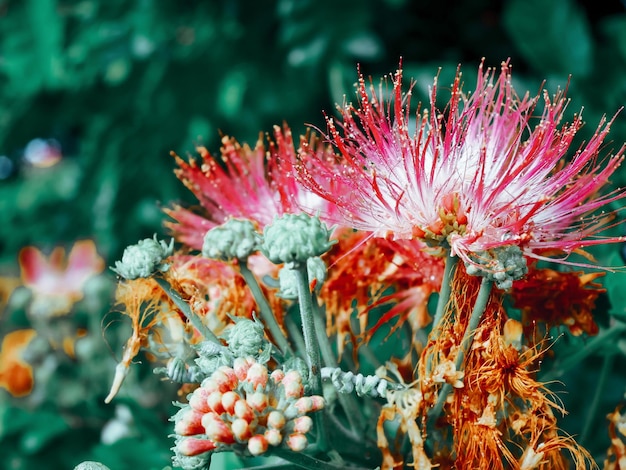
(249, 183)
(56, 283)
(478, 176)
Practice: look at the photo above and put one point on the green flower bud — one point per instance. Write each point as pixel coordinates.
(288, 280)
(247, 338)
(87, 465)
(503, 265)
(211, 356)
(235, 239)
(144, 258)
(295, 238)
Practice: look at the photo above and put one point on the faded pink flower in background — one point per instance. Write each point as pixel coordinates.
(248, 183)
(57, 283)
(479, 175)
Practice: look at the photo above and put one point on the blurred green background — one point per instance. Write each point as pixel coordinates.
(95, 94)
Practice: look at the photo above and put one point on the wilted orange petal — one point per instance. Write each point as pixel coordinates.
(16, 376)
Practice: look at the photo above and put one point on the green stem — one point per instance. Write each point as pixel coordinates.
(598, 342)
(605, 372)
(347, 401)
(265, 310)
(466, 342)
(311, 343)
(309, 462)
(444, 292)
(184, 307)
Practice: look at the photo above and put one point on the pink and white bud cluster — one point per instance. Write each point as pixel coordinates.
(246, 408)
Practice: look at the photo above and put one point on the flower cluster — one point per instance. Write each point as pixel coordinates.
(357, 233)
(247, 409)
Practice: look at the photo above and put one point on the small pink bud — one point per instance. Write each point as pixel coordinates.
(244, 410)
(257, 400)
(304, 405)
(225, 378)
(257, 375)
(241, 429)
(276, 420)
(277, 376)
(228, 402)
(209, 386)
(257, 445)
(297, 442)
(191, 446)
(302, 424)
(273, 436)
(214, 401)
(189, 423)
(318, 402)
(198, 399)
(241, 366)
(216, 429)
(292, 383)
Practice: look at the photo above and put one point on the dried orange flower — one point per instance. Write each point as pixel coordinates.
(559, 298)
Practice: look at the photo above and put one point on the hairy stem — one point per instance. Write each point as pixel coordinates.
(311, 342)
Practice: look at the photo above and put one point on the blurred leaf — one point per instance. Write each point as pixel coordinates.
(553, 36)
(48, 426)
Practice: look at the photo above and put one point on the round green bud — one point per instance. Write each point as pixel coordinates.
(87, 465)
(295, 238)
(144, 259)
(234, 239)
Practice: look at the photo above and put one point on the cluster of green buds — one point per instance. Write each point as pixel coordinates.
(502, 265)
(245, 409)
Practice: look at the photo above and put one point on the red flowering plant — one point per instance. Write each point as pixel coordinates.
(297, 255)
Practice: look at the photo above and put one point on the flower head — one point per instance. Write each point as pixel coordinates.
(479, 176)
(247, 409)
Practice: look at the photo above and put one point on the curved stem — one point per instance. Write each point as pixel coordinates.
(598, 342)
(184, 307)
(468, 337)
(265, 310)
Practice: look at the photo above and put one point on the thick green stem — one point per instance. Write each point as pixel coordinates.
(184, 307)
(265, 310)
(444, 292)
(605, 373)
(311, 343)
(466, 342)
